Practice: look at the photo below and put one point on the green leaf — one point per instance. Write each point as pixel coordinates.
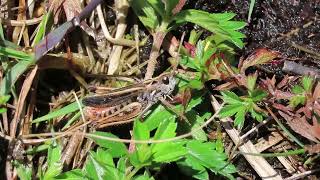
(256, 115)
(196, 84)
(116, 149)
(60, 112)
(297, 89)
(140, 131)
(199, 50)
(190, 63)
(251, 81)
(3, 110)
(240, 117)
(230, 110)
(158, 115)
(296, 100)
(93, 169)
(143, 177)
(192, 167)
(24, 171)
(168, 152)
(74, 174)
(196, 122)
(204, 154)
(42, 28)
(194, 36)
(141, 156)
(257, 95)
(195, 100)
(16, 54)
(146, 13)
(165, 130)
(158, 6)
(54, 164)
(12, 76)
(230, 97)
(121, 167)
(104, 159)
(216, 23)
(4, 99)
(307, 83)
(252, 2)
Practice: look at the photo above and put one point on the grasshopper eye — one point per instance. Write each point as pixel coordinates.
(165, 80)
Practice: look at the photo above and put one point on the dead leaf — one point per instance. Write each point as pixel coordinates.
(312, 148)
(301, 126)
(71, 9)
(260, 56)
(22, 100)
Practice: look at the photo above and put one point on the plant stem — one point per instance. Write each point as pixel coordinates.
(158, 38)
(133, 172)
(157, 41)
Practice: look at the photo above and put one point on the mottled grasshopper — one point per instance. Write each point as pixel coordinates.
(121, 105)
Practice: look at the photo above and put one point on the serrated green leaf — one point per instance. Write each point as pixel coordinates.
(93, 169)
(140, 131)
(230, 97)
(251, 81)
(60, 112)
(146, 13)
(158, 6)
(168, 152)
(256, 115)
(213, 23)
(193, 168)
(199, 50)
(189, 62)
(240, 117)
(116, 149)
(165, 130)
(74, 174)
(54, 164)
(297, 89)
(121, 167)
(24, 171)
(196, 122)
(105, 160)
(206, 155)
(158, 115)
(307, 83)
(141, 156)
(296, 100)
(258, 95)
(233, 25)
(230, 110)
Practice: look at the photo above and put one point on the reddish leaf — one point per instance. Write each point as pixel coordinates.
(260, 56)
(301, 126)
(191, 48)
